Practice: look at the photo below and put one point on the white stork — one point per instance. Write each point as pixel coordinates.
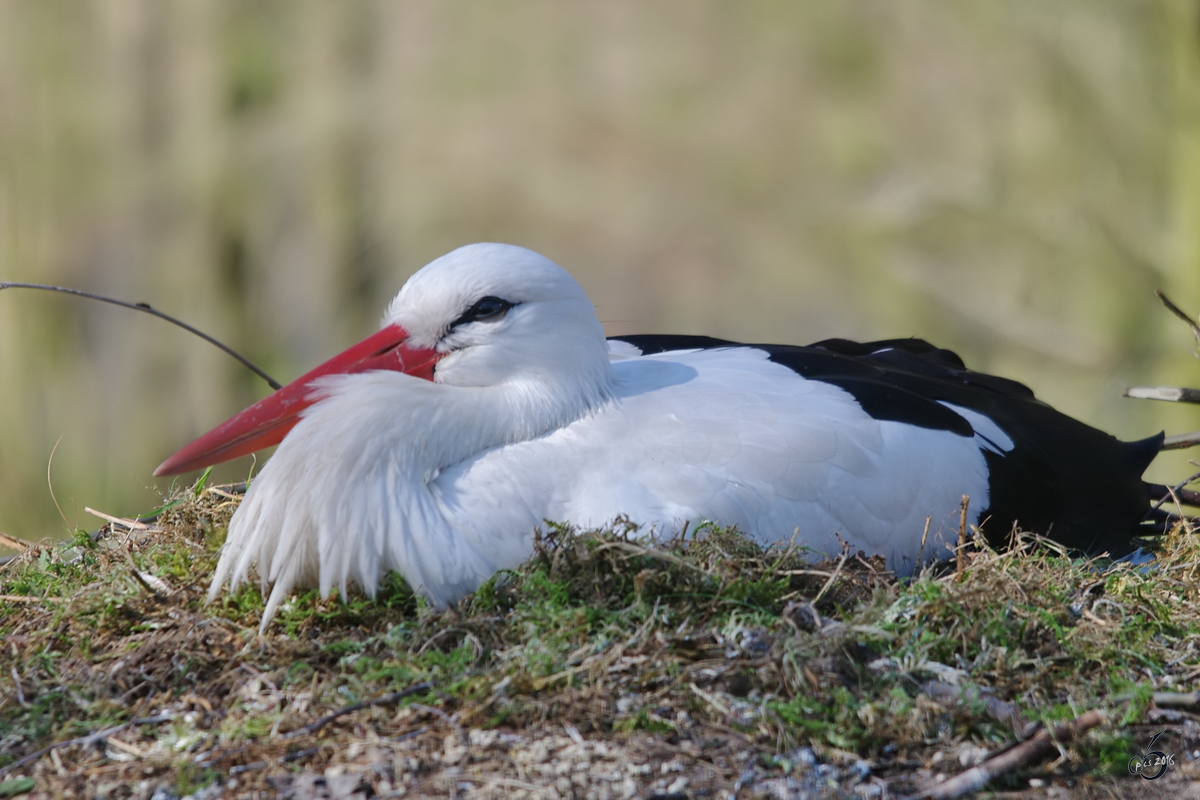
(491, 402)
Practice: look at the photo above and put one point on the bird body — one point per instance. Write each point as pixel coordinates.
(508, 408)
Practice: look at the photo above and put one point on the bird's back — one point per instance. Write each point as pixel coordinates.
(1059, 477)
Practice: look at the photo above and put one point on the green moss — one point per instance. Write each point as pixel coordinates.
(703, 624)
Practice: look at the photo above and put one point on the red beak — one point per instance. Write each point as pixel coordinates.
(266, 422)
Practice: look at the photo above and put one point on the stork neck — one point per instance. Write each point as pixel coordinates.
(461, 421)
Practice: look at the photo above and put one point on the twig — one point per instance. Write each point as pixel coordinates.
(50, 483)
(251, 767)
(289, 758)
(406, 736)
(921, 552)
(13, 544)
(1182, 495)
(489, 782)
(384, 700)
(817, 573)
(439, 635)
(837, 571)
(1026, 753)
(299, 754)
(1177, 699)
(637, 550)
(1171, 394)
(131, 524)
(541, 683)
(21, 598)
(145, 308)
(84, 740)
(437, 712)
(961, 561)
(16, 676)
(1181, 441)
(1179, 312)
(1172, 492)
(148, 580)
(710, 699)
(219, 492)
(126, 747)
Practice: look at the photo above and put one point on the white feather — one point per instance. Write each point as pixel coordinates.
(537, 417)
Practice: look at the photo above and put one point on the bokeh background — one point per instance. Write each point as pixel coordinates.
(1008, 179)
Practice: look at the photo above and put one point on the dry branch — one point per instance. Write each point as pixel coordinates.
(1181, 441)
(146, 309)
(437, 712)
(385, 700)
(1024, 754)
(1176, 493)
(13, 543)
(1177, 699)
(1179, 312)
(961, 561)
(1171, 394)
(91, 738)
(131, 524)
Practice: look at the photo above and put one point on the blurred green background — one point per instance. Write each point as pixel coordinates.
(1008, 179)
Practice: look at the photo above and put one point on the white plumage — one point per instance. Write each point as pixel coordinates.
(533, 416)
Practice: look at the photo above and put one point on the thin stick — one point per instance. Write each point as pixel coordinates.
(1028, 752)
(439, 635)
(83, 740)
(837, 571)
(384, 700)
(145, 308)
(961, 565)
(140, 578)
(13, 544)
(541, 683)
(651, 552)
(712, 700)
(131, 524)
(1171, 394)
(489, 782)
(289, 758)
(462, 735)
(21, 598)
(16, 676)
(50, 483)
(1177, 311)
(1177, 699)
(1171, 493)
(921, 552)
(251, 767)
(819, 573)
(1181, 441)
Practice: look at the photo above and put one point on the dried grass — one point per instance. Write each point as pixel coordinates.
(606, 665)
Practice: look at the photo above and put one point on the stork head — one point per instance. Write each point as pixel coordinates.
(482, 315)
(496, 313)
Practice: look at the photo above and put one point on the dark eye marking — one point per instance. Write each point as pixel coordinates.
(489, 309)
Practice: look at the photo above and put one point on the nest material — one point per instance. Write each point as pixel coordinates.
(607, 661)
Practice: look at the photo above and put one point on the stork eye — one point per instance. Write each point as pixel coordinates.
(489, 309)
